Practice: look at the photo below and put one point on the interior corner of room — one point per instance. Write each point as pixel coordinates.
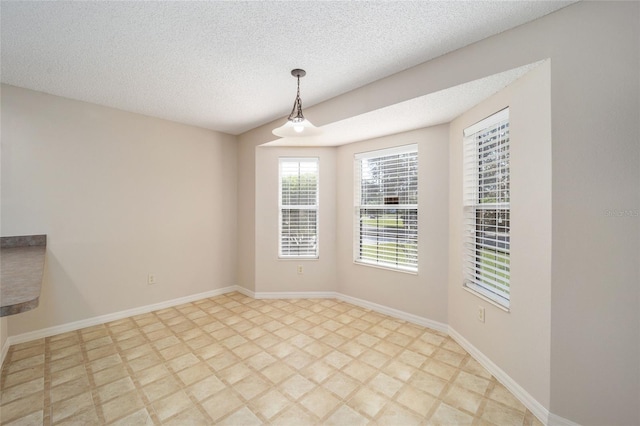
(142, 213)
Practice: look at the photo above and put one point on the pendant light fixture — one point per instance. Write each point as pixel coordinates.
(297, 125)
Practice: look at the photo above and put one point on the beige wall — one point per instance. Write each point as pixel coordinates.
(119, 195)
(423, 294)
(594, 49)
(280, 275)
(67, 166)
(518, 341)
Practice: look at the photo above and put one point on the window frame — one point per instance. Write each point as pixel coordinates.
(410, 233)
(481, 230)
(315, 207)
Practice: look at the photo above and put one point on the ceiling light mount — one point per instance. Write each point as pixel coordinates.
(296, 125)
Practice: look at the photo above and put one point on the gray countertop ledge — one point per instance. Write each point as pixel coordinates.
(21, 270)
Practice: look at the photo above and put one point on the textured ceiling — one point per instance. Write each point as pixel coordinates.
(224, 65)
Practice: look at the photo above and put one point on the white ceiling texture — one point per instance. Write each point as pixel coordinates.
(225, 65)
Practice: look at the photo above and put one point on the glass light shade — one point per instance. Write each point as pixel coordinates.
(296, 129)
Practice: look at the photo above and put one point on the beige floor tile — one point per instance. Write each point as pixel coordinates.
(261, 360)
(446, 415)
(138, 418)
(359, 371)
(472, 366)
(151, 374)
(318, 371)
(171, 405)
(320, 402)
(277, 372)
(428, 383)
(472, 382)
(386, 384)
(24, 376)
(35, 418)
(295, 416)
(69, 389)
(21, 407)
(449, 357)
(341, 385)
(270, 404)
(161, 388)
(395, 414)
(65, 375)
(461, 398)
(22, 390)
(439, 369)
(110, 374)
(222, 404)
(175, 351)
(501, 415)
(190, 417)
(23, 350)
(194, 373)
(298, 359)
(65, 352)
(72, 406)
(87, 416)
(368, 402)
(206, 388)
(183, 361)
(66, 362)
(122, 406)
(296, 386)
(337, 359)
(134, 353)
(235, 373)
(235, 360)
(222, 360)
(422, 347)
(243, 416)
(103, 363)
(399, 370)
(251, 386)
(416, 400)
(114, 389)
(345, 415)
(101, 352)
(500, 394)
(246, 350)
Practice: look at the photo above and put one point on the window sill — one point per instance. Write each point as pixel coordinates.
(387, 268)
(486, 296)
(299, 258)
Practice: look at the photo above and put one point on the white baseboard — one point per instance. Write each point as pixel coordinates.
(296, 295)
(102, 319)
(518, 391)
(529, 401)
(415, 319)
(5, 351)
(556, 420)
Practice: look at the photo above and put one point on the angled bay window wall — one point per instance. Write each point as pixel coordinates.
(386, 208)
(487, 208)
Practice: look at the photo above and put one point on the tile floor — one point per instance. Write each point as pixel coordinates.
(236, 360)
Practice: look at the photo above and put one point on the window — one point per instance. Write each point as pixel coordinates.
(298, 201)
(386, 208)
(487, 211)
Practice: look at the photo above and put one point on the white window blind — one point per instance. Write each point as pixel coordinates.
(386, 208)
(487, 211)
(298, 202)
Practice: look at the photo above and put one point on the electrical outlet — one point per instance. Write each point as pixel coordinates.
(480, 314)
(300, 269)
(151, 279)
